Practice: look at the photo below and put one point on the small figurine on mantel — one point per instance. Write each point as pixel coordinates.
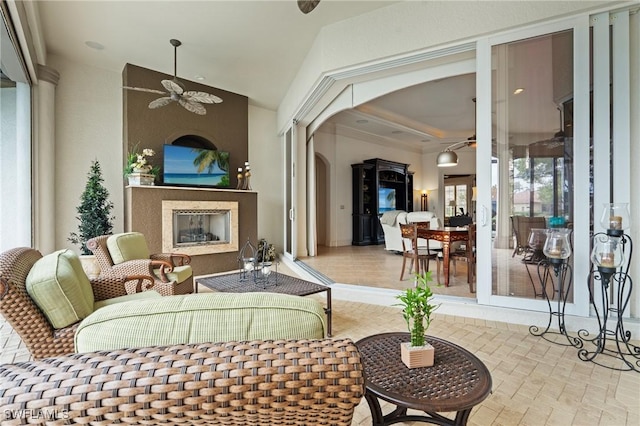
(246, 185)
(240, 179)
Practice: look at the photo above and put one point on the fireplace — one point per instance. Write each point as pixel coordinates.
(199, 227)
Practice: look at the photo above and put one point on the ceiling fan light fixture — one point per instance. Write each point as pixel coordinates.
(191, 100)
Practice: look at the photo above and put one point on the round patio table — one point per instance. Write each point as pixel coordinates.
(456, 382)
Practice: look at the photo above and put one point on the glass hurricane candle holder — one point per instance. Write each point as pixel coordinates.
(607, 252)
(537, 238)
(557, 245)
(615, 218)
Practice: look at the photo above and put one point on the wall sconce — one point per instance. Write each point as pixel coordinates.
(424, 201)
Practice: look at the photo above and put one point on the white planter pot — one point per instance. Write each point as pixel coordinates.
(90, 265)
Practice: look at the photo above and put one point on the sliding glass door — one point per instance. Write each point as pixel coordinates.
(527, 164)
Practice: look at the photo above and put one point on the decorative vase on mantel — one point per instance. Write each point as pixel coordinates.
(141, 176)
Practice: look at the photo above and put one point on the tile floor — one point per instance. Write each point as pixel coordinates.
(534, 382)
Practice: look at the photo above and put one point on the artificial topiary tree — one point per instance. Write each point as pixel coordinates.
(94, 211)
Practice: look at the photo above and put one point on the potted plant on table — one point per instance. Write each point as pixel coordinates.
(94, 216)
(417, 310)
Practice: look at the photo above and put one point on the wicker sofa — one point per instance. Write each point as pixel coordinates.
(100, 315)
(234, 383)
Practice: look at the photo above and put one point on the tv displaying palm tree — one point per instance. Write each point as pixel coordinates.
(195, 166)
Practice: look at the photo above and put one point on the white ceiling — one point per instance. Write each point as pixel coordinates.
(253, 48)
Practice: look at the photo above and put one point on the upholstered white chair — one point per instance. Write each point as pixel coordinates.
(390, 222)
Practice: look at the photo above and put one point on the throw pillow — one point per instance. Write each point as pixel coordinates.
(58, 285)
(127, 246)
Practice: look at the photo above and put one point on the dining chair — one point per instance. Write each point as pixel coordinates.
(419, 256)
(466, 253)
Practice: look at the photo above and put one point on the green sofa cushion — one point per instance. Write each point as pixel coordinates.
(145, 295)
(58, 285)
(127, 246)
(199, 318)
(179, 273)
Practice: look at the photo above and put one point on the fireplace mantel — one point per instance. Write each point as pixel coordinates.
(144, 214)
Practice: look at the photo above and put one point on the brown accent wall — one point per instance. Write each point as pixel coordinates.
(145, 216)
(225, 125)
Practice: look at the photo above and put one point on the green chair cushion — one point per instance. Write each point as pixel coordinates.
(58, 285)
(145, 295)
(127, 246)
(179, 274)
(198, 318)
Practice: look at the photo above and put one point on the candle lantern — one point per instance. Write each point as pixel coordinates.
(557, 246)
(247, 261)
(615, 218)
(610, 259)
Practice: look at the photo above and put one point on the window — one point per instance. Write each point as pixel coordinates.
(15, 149)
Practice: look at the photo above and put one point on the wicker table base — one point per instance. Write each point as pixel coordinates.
(457, 381)
(278, 283)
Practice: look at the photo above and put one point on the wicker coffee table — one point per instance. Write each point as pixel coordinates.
(279, 283)
(457, 381)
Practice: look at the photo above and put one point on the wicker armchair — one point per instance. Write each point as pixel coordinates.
(236, 383)
(172, 271)
(29, 321)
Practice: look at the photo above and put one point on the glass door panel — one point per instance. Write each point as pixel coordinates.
(532, 155)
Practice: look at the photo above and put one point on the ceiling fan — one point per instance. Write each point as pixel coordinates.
(307, 6)
(191, 100)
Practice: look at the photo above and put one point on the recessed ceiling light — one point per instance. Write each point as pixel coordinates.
(94, 45)
(199, 78)
(362, 121)
(518, 91)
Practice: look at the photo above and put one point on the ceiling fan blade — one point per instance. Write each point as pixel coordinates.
(173, 86)
(192, 106)
(160, 102)
(140, 89)
(202, 97)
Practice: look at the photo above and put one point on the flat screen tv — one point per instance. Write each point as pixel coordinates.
(386, 199)
(195, 166)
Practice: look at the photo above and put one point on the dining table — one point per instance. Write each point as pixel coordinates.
(445, 235)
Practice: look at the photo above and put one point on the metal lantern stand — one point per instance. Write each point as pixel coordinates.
(612, 340)
(563, 275)
(556, 250)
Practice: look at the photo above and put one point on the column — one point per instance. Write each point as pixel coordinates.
(44, 160)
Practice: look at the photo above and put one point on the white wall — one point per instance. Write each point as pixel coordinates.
(88, 127)
(267, 173)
